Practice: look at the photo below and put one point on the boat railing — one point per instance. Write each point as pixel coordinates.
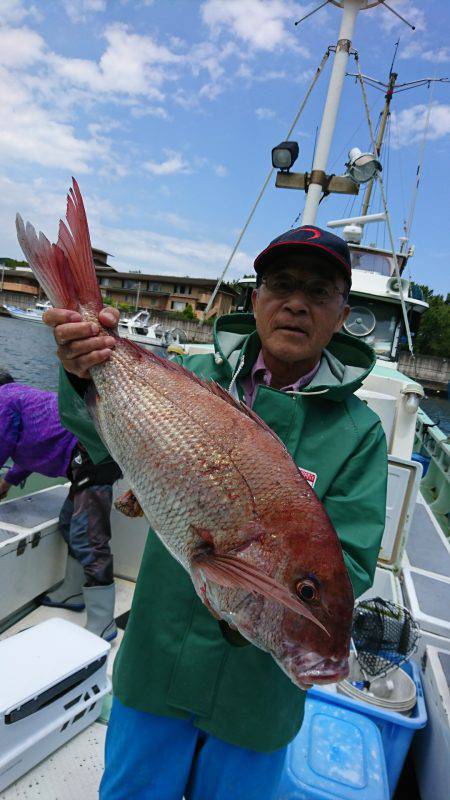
(433, 443)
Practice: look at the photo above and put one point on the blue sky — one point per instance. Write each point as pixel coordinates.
(166, 111)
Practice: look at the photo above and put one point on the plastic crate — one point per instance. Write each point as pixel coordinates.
(396, 729)
(337, 754)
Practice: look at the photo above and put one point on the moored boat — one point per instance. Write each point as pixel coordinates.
(31, 314)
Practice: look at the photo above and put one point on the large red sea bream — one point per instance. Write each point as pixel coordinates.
(216, 484)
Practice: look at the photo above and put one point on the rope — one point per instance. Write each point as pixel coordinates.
(264, 186)
(388, 220)
(388, 167)
(419, 166)
(402, 185)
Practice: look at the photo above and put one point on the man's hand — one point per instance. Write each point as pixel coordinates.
(79, 345)
(4, 488)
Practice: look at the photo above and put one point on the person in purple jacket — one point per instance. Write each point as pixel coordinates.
(32, 437)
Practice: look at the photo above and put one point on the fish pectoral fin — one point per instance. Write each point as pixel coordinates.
(128, 504)
(235, 573)
(200, 587)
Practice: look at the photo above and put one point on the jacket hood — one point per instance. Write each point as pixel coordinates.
(345, 361)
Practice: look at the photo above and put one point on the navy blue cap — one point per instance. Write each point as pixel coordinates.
(308, 238)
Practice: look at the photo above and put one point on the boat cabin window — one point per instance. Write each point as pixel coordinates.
(376, 323)
(370, 261)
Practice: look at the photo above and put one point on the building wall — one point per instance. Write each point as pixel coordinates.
(148, 292)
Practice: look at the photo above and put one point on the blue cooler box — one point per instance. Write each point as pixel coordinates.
(396, 729)
(337, 754)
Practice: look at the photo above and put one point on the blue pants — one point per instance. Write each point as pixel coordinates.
(160, 758)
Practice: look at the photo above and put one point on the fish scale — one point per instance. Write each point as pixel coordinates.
(218, 487)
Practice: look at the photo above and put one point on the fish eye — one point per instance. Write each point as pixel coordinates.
(306, 590)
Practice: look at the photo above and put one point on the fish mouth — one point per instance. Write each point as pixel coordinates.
(326, 670)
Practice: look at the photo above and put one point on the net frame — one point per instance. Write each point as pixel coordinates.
(384, 634)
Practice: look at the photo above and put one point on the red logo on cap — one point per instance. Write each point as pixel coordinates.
(316, 233)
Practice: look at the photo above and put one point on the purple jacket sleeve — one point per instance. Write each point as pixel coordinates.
(16, 475)
(8, 440)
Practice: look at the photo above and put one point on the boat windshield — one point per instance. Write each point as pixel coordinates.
(376, 323)
(371, 262)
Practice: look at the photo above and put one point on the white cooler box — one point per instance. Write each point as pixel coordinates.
(428, 597)
(426, 579)
(52, 681)
(32, 551)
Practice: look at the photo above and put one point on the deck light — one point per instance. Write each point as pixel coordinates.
(362, 167)
(284, 155)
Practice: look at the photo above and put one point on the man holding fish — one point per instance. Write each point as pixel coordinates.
(245, 551)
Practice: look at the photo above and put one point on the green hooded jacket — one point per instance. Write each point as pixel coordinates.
(173, 660)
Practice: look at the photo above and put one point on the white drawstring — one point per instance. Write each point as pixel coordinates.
(319, 391)
(235, 376)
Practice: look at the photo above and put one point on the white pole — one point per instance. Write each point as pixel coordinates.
(350, 10)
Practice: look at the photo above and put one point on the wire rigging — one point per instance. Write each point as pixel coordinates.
(317, 74)
(388, 220)
(420, 164)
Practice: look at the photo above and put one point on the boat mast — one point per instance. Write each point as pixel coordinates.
(384, 118)
(343, 46)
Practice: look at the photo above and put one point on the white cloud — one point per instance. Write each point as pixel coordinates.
(131, 64)
(414, 49)
(149, 111)
(32, 134)
(220, 170)
(79, 10)
(410, 123)
(261, 24)
(169, 255)
(264, 113)
(174, 220)
(20, 47)
(174, 163)
(13, 12)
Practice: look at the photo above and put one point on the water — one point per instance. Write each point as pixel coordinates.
(438, 409)
(28, 352)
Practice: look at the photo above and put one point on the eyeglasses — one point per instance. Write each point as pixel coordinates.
(317, 290)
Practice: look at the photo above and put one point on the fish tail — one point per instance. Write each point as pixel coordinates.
(64, 270)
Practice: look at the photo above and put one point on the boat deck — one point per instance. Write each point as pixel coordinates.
(73, 771)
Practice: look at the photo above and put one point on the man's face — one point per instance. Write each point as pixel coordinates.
(297, 324)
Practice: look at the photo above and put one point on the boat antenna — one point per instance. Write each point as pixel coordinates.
(317, 74)
(396, 45)
(393, 11)
(391, 88)
(314, 11)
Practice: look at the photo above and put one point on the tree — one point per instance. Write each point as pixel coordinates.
(188, 312)
(433, 337)
(125, 307)
(12, 263)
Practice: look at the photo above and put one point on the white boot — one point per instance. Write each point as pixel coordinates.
(69, 594)
(99, 602)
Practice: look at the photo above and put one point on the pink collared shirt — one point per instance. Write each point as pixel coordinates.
(260, 374)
